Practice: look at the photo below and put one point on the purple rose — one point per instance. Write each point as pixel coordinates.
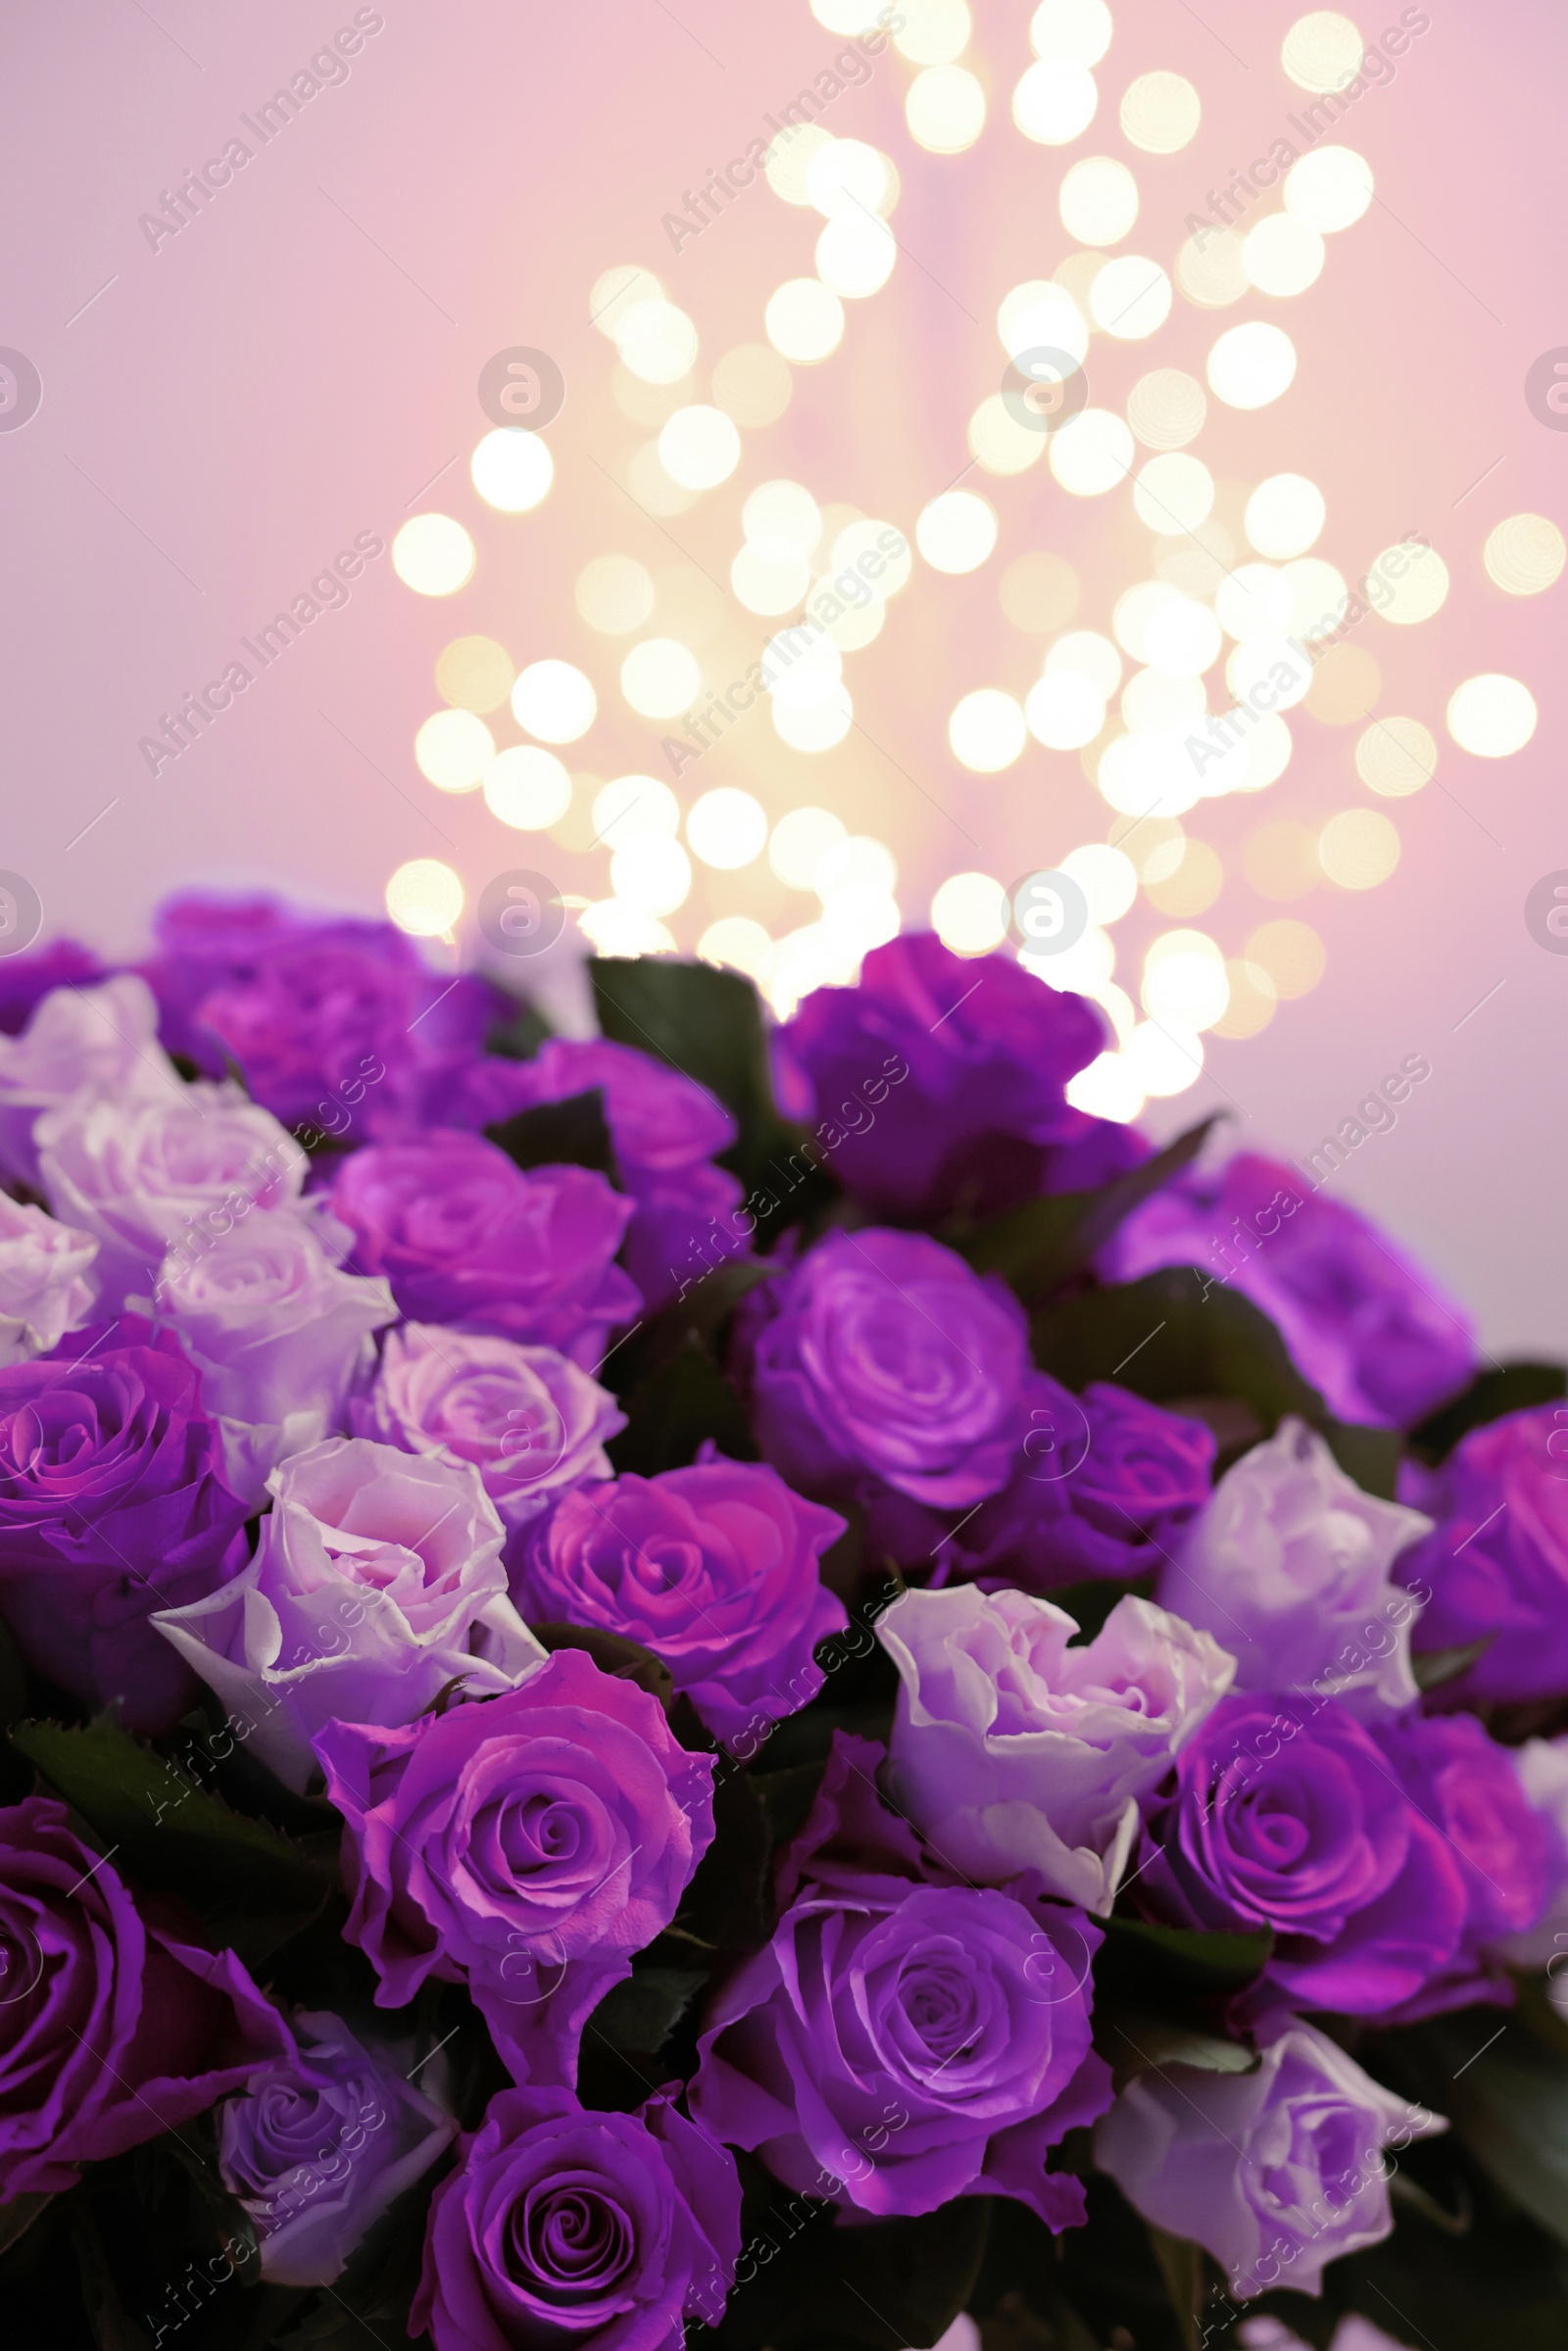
(525, 1846)
(1497, 1565)
(1289, 1566)
(314, 1010)
(205, 944)
(1368, 1327)
(1275, 2173)
(465, 1237)
(144, 1173)
(1468, 1789)
(1541, 1765)
(278, 1332)
(1285, 1814)
(1099, 1486)
(112, 1506)
(116, 2024)
(321, 2142)
(563, 2228)
(885, 1358)
(46, 1285)
(531, 1423)
(665, 1128)
(1016, 1747)
(685, 1224)
(26, 979)
(714, 1568)
(904, 2039)
(660, 1120)
(103, 1038)
(937, 1083)
(376, 1586)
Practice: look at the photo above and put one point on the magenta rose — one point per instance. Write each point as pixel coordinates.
(886, 1361)
(714, 1568)
(1495, 1567)
(112, 1506)
(1285, 1814)
(904, 2038)
(524, 1846)
(561, 2228)
(116, 2022)
(465, 1237)
(531, 1423)
(962, 1065)
(1369, 1328)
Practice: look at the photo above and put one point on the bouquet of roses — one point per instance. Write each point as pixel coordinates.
(765, 1684)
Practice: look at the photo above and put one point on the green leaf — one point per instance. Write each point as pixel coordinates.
(18, 2217)
(13, 1681)
(880, 2285)
(1181, 2265)
(1491, 1394)
(1039, 1246)
(705, 1023)
(787, 1798)
(1433, 1667)
(1371, 1456)
(166, 1830)
(1509, 2104)
(641, 2014)
(673, 1408)
(613, 1654)
(700, 1314)
(112, 2329)
(571, 1133)
(1135, 2043)
(1195, 1954)
(1176, 1333)
(519, 1038)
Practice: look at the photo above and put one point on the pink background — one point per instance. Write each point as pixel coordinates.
(230, 410)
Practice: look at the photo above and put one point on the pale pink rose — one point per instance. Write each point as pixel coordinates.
(104, 1037)
(1276, 2173)
(1288, 1564)
(531, 1422)
(377, 1580)
(279, 1333)
(1013, 1751)
(145, 1175)
(45, 1285)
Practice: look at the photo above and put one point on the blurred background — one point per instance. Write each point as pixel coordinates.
(433, 331)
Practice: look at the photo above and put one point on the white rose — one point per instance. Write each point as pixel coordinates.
(1288, 1563)
(102, 1037)
(279, 1335)
(45, 1290)
(1014, 1751)
(144, 1174)
(376, 1583)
